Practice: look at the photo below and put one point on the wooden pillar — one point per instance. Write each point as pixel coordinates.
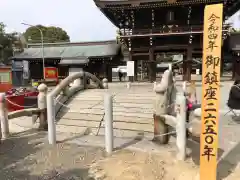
(104, 71)
(151, 66)
(109, 72)
(135, 70)
(187, 65)
(184, 68)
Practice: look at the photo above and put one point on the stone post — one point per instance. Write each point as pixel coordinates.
(128, 85)
(3, 117)
(42, 105)
(181, 125)
(52, 137)
(108, 119)
(170, 66)
(105, 83)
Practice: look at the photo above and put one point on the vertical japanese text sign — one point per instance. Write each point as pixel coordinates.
(212, 44)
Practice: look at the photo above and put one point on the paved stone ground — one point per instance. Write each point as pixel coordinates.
(228, 142)
(229, 126)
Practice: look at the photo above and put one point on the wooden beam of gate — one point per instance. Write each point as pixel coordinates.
(171, 1)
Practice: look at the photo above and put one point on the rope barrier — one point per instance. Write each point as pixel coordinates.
(33, 106)
(144, 137)
(169, 133)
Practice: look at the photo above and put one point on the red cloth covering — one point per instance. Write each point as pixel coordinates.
(34, 93)
(17, 99)
(17, 103)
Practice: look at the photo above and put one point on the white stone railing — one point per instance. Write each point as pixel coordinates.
(79, 82)
(46, 108)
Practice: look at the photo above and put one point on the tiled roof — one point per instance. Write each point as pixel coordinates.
(98, 50)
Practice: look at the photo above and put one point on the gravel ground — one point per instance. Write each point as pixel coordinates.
(26, 157)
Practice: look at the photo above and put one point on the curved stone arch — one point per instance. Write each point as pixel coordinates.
(80, 75)
(62, 89)
(63, 93)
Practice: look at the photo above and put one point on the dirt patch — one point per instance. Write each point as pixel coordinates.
(26, 156)
(127, 165)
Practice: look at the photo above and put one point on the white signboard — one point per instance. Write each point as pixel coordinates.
(197, 71)
(25, 69)
(130, 68)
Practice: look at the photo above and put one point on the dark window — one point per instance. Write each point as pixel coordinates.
(63, 71)
(36, 70)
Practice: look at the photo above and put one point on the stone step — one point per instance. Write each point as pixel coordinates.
(148, 110)
(97, 117)
(115, 104)
(115, 99)
(115, 93)
(133, 126)
(132, 111)
(119, 94)
(90, 112)
(93, 131)
(101, 110)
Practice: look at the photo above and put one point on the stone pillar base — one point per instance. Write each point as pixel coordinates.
(160, 128)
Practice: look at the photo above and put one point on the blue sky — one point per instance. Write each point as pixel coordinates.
(80, 18)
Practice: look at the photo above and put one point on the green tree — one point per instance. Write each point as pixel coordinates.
(8, 43)
(2, 28)
(51, 34)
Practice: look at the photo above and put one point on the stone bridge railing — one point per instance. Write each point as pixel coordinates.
(80, 82)
(169, 109)
(47, 108)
